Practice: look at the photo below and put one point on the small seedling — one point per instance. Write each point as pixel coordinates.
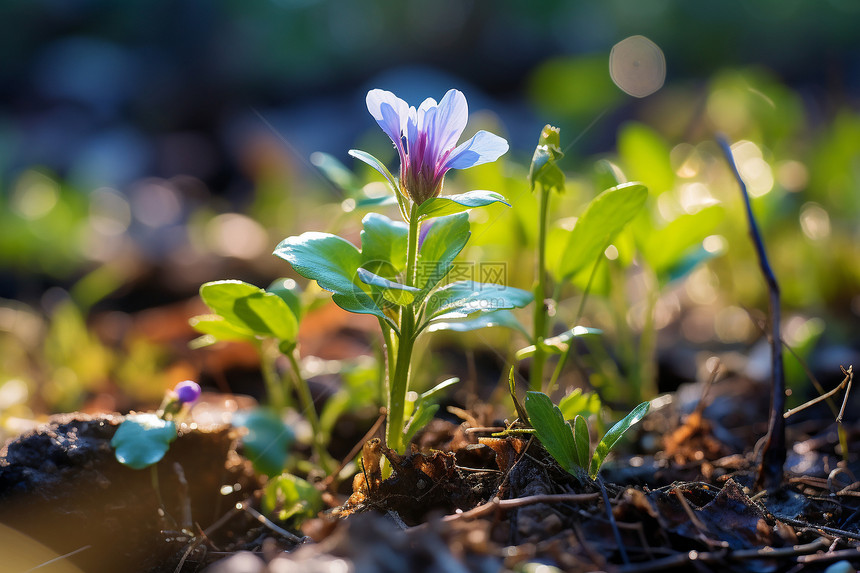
(267, 439)
(143, 439)
(604, 218)
(571, 445)
(268, 319)
(291, 498)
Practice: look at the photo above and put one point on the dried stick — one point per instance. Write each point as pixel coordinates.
(274, 527)
(612, 523)
(353, 452)
(716, 557)
(185, 501)
(60, 558)
(821, 528)
(496, 503)
(849, 375)
(821, 398)
(773, 454)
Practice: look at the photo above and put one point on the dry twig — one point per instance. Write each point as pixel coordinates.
(773, 454)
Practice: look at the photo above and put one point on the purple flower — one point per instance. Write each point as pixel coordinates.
(187, 392)
(426, 140)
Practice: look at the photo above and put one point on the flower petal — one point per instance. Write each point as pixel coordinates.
(424, 150)
(449, 122)
(484, 147)
(390, 112)
(426, 104)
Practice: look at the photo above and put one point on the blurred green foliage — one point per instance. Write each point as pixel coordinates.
(799, 162)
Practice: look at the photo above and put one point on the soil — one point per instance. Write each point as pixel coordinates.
(683, 499)
(62, 486)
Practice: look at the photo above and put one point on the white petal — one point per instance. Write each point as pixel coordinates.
(450, 121)
(484, 147)
(389, 111)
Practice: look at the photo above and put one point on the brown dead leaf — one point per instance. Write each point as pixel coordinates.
(729, 520)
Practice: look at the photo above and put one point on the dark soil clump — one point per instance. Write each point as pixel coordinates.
(62, 486)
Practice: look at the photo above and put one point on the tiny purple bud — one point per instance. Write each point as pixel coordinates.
(187, 392)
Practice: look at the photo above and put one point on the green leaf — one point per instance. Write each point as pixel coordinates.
(443, 242)
(512, 388)
(393, 292)
(221, 297)
(371, 202)
(359, 302)
(267, 441)
(291, 497)
(689, 261)
(383, 245)
(332, 262)
(291, 292)
(202, 342)
(378, 165)
(614, 434)
(247, 306)
(486, 320)
(142, 440)
(578, 403)
(554, 433)
(559, 343)
(423, 415)
(268, 315)
(582, 441)
(425, 408)
(543, 169)
(645, 156)
(607, 174)
(335, 171)
(665, 248)
(219, 328)
(465, 298)
(438, 388)
(450, 204)
(605, 217)
(325, 258)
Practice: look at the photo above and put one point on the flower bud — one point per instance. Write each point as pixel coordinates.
(187, 391)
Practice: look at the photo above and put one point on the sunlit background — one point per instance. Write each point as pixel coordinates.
(147, 147)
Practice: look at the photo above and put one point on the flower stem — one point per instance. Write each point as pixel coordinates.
(562, 361)
(387, 359)
(541, 314)
(310, 412)
(399, 383)
(278, 396)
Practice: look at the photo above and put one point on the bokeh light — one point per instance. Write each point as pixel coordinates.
(637, 66)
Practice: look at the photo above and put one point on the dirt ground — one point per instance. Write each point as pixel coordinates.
(682, 497)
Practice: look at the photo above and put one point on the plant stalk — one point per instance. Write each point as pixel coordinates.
(399, 384)
(562, 362)
(541, 314)
(274, 386)
(310, 412)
